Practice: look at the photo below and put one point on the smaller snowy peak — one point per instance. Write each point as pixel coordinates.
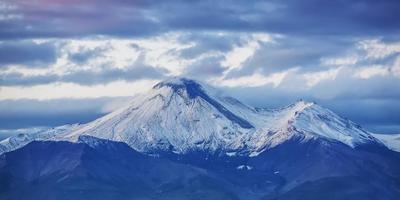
(300, 105)
(316, 121)
(307, 121)
(284, 117)
(297, 108)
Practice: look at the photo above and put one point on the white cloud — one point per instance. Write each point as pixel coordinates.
(313, 78)
(25, 70)
(371, 71)
(395, 69)
(7, 12)
(70, 90)
(255, 80)
(348, 60)
(115, 53)
(361, 61)
(376, 49)
(240, 54)
(164, 52)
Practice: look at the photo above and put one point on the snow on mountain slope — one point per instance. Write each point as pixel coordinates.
(181, 115)
(392, 141)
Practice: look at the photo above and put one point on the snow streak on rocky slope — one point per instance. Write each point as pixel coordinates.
(181, 115)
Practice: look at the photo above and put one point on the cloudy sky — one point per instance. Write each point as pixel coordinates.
(69, 61)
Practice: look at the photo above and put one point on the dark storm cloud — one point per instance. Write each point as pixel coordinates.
(27, 53)
(143, 18)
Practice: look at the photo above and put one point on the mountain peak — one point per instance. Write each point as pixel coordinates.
(192, 88)
(177, 83)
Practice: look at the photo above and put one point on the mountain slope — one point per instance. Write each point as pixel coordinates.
(102, 169)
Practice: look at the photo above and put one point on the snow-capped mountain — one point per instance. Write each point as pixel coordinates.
(182, 115)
